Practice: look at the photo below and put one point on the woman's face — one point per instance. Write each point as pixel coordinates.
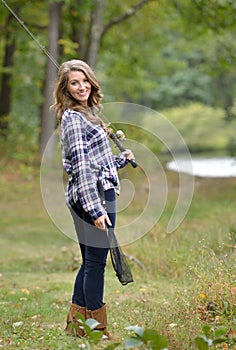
(79, 87)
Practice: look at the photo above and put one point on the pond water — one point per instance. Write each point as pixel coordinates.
(205, 167)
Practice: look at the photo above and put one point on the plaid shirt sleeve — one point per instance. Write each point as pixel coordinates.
(75, 153)
(120, 161)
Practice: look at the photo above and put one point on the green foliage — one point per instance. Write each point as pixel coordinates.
(182, 86)
(173, 65)
(92, 336)
(213, 14)
(21, 144)
(231, 146)
(211, 337)
(157, 62)
(148, 337)
(233, 235)
(203, 128)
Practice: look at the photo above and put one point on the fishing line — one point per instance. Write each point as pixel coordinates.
(45, 51)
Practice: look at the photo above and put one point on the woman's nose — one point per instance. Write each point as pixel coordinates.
(81, 86)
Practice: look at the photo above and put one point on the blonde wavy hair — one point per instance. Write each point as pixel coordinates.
(63, 99)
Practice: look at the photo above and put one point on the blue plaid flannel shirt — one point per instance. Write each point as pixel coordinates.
(87, 156)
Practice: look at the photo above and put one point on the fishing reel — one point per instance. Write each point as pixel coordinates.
(120, 135)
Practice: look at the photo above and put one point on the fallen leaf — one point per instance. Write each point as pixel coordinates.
(48, 259)
(17, 324)
(172, 325)
(202, 295)
(25, 291)
(233, 290)
(64, 249)
(231, 333)
(35, 317)
(37, 287)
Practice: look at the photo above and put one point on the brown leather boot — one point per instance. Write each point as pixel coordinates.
(72, 323)
(100, 315)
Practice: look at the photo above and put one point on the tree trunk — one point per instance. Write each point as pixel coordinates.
(95, 33)
(79, 31)
(47, 117)
(97, 29)
(6, 89)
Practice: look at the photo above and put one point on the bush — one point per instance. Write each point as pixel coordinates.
(203, 128)
(231, 146)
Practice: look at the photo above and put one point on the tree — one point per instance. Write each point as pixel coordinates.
(6, 89)
(17, 50)
(215, 21)
(47, 120)
(170, 52)
(89, 46)
(88, 27)
(178, 55)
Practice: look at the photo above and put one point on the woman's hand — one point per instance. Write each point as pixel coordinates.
(101, 222)
(129, 154)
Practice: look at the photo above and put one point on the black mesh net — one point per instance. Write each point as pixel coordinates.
(119, 260)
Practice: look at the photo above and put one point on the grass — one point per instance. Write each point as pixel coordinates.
(187, 279)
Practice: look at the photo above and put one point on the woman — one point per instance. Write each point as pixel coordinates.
(87, 159)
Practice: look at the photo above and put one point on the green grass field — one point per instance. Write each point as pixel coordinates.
(187, 278)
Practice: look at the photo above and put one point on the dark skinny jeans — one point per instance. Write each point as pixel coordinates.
(89, 282)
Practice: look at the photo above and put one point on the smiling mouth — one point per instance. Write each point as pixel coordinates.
(82, 93)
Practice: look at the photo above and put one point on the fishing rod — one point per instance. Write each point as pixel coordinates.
(115, 137)
(45, 51)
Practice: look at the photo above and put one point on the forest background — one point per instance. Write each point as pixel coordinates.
(176, 57)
